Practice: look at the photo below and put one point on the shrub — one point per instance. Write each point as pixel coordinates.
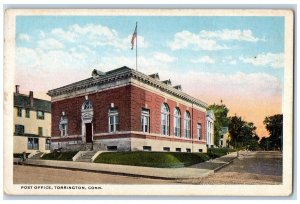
(18, 155)
(63, 156)
(152, 159)
(218, 152)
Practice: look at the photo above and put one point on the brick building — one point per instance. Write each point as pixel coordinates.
(126, 110)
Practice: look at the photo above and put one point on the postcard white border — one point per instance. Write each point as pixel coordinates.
(187, 190)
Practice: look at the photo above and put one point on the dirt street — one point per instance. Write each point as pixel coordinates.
(249, 168)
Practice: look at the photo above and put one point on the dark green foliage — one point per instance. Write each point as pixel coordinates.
(218, 152)
(152, 159)
(18, 155)
(242, 134)
(274, 124)
(63, 156)
(220, 112)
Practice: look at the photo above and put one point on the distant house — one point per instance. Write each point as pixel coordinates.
(225, 138)
(32, 123)
(126, 110)
(210, 119)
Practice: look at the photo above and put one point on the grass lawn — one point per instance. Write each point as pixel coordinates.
(63, 156)
(152, 159)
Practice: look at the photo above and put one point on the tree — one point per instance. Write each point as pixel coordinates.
(220, 112)
(274, 125)
(242, 133)
(264, 143)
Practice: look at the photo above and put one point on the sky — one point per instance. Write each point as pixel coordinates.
(239, 60)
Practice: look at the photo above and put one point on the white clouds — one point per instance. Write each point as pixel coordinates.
(50, 44)
(163, 57)
(269, 59)
(188, 40)
(239, 35)
(209, 40)
(95, 36)
(24, 37)
(204, 59)
(240, 85)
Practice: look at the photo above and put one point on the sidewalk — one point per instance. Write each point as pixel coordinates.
(195, 171)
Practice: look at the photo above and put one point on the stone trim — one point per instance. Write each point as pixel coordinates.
(121, 74)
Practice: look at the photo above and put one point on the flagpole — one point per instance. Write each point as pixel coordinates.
(136, 48)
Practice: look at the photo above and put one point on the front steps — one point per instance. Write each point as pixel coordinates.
(85, 156)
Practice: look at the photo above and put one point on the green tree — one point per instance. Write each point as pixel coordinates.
(220, 112)
(242, 133)
(274, 125)
(264, 143)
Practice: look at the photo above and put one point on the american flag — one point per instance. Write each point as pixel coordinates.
(134, 36)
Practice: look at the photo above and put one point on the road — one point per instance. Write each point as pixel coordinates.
(249, 168)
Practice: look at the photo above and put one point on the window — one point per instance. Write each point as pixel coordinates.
(145, 120)
(40, 115)
(164, 119)
(188, 150)
(19, 129)
(87, 105)
(112, 148)
(40, 131)
(63, 126)
(200, 150)
(19, 112)
(166, 149)
(33, 143)
(178, 149)
(177, 122)
(47, 144)
(221, 142)
(27, 113)
(146, 148)
(199, 131)
(113, 121)
(187, 124)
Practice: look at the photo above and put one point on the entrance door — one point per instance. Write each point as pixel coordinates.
(88, 130)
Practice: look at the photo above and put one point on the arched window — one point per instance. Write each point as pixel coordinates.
(187, 124)
(87, 105)
(165, 119)
(177, 122)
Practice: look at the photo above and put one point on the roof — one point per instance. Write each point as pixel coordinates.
(22, 100)
(123, 73)
(210, 114)
(223, 130)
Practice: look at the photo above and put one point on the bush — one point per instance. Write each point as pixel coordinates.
(62, 156)
(18, 155)
(218, 152)
(152, 159)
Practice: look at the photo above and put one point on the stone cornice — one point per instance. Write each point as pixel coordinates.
(125, 73)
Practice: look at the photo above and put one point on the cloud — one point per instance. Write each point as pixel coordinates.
(95, 35)
(209, 40)
(225, 34)
(50, 44)
(163, 57)
(204, 59)
(274, 60)
(188, 40)
(24, 37)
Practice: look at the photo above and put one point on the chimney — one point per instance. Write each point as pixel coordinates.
(17, 89)
(31, 98)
